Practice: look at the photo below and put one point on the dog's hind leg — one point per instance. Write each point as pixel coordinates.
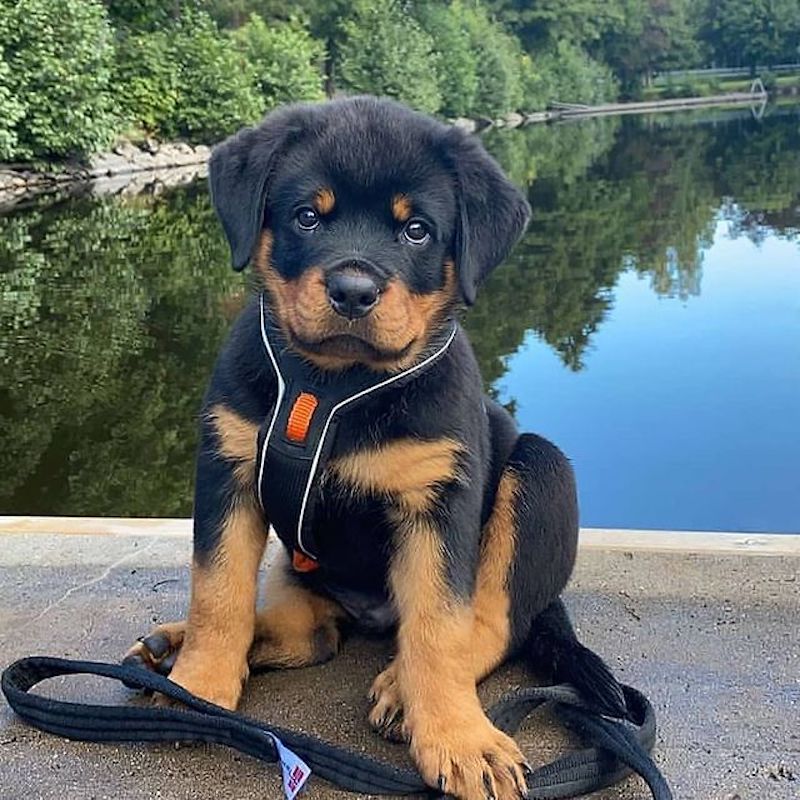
(296, 627)
(546, 528)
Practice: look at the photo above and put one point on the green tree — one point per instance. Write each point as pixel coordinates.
(286, 60)
(546, 22)
(566, 73)
(147, 74)
(382, 50)
(499, 63)
(58, 57)
(752, 33)
(458, 56)
(656, 35)
(217, 91)
(12, 107)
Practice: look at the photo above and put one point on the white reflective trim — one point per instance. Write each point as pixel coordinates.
(279, 399)
(341, 404)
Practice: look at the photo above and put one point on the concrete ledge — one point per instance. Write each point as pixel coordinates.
(762, 544)
(709, 635)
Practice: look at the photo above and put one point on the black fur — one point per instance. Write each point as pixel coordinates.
(369, 150)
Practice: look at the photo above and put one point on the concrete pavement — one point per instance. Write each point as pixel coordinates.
(711, 636)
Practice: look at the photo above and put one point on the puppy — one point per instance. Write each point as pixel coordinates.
(346, 411)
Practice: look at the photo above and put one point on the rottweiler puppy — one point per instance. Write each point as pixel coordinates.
(370, 226)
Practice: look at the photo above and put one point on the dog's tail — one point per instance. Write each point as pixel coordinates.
(553, 648)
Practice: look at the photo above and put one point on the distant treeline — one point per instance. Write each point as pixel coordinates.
(76, 74)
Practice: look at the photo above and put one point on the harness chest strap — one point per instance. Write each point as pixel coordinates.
(295, 441)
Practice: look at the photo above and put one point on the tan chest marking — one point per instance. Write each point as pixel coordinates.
(411, 471)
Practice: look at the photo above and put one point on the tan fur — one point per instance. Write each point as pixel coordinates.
(324, 201)
(401, 207)
(236, 437)
(491, 604)
(401, 323)
(296, 628)
(212, 662)
(409, 470)
(449, 733)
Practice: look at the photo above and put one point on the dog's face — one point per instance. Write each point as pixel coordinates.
(367, 222)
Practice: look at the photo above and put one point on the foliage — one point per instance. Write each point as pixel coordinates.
(58, 57)
(569, 75)
(147, 77)
(752, 32)
(499, 63)
(458, 57)
(382, 50)
(216, 84)
(657, 35)
(12, 108)
(285, 59)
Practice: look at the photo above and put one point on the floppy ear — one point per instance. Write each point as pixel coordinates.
(491, 212)
(239, 173)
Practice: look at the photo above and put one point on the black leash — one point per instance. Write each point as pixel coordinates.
(617, 747)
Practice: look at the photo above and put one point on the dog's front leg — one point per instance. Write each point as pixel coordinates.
(230, 534)
(455, 746)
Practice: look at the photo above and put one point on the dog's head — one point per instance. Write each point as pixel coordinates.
(368, 223)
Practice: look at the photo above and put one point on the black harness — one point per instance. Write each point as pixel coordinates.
(295, 441)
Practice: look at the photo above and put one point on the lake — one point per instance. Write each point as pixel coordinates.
(649, 323)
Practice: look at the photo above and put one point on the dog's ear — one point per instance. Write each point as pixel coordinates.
(491, 212)
(239, 174)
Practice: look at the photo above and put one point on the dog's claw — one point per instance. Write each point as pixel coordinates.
(164, 667)
(487, 784)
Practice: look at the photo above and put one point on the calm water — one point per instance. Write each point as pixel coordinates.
(649, 323)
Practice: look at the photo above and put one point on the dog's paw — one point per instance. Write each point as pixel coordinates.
(466, 756)
(386, 715)
(158, 650)
(218, 681)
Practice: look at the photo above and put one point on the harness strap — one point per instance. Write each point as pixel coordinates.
(295, 440)
(617, 747)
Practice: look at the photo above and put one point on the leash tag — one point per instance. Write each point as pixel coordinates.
(294, 770)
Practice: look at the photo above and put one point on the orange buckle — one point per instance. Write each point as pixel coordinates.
(300, 417)
(303, 563)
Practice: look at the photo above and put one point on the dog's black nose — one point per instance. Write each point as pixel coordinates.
(352, 294)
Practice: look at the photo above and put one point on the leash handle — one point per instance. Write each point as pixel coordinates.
(619, 747)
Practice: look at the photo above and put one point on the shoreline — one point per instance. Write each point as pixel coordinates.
(154, 166)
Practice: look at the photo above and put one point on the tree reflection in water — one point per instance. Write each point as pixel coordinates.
(113, 309)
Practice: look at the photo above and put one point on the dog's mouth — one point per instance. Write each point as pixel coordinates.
(350, 347)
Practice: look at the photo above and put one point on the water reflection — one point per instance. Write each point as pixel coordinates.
(112, 311)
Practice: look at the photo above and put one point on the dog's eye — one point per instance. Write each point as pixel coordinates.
(307, 218)
(416, 232)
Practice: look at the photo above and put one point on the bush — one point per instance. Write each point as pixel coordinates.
(147, 80)
(58, 61)
(499, 60)
(216, 84)
(566, 73)
(286, 60)
(382, 50)
(11, 108)
(456, 55)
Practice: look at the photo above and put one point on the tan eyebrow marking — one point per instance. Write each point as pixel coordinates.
(401, 207)
(324, 200)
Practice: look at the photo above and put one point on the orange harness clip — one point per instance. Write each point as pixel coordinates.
(300, 417)
(303, 563)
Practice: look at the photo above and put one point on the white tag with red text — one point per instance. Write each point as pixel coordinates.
(295, 771)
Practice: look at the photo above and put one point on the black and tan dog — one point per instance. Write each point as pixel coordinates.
(370, 225)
